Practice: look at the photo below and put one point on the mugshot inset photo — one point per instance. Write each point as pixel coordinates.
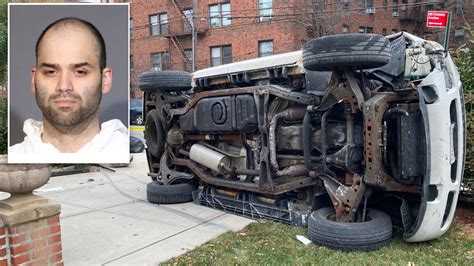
(68, 83)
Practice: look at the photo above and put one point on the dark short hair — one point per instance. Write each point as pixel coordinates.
(89, 26)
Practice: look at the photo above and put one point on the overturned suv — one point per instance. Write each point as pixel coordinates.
(350, 136)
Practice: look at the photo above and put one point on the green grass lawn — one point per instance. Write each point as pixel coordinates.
(265, 242)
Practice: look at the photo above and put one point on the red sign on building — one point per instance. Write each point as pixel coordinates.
(437, 19)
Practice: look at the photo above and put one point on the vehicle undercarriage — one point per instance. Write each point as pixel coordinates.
(322, 145)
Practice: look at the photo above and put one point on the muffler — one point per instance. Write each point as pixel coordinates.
(208, 157)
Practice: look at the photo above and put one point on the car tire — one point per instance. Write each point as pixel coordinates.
(170, 194)
(153, 80)
(372, 234)
(362, 51)
(155, 135)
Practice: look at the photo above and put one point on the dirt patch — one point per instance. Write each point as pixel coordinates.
(465, 217)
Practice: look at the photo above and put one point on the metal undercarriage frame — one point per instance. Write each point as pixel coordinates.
(346, 199)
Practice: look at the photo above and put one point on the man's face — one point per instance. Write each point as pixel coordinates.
(67, 81)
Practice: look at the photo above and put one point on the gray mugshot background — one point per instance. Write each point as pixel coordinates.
(26, 24)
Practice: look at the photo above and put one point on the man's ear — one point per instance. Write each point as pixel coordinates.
(106, 80)
(33, 84)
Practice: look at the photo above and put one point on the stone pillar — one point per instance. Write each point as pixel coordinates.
(30, 231)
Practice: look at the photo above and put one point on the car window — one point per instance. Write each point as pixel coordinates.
(135, 103)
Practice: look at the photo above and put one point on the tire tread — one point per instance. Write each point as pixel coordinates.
(172, 80)
(350, 50)
(364, 236)
(170, 194)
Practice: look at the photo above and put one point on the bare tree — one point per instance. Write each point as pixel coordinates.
(321, 17)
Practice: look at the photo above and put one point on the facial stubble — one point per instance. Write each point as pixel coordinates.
(64, 117)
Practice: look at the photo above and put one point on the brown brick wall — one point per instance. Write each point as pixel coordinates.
(33, 243)
(3, 246)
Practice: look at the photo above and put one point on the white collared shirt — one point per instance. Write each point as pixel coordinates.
(110, 145)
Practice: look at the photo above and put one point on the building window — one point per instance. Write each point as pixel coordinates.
(188, 66)
(131, 27)
(131, 62)
(158, 24)
(265, 9)
(459, 7)
(366, 29)
(384, 5)
(345, 4)
(221, 55)
(345, 29)
(395, 6)
(404, 8)
(265, 48)
(369, 3)
(160, 61)
(188, 16)
(384, 32)
(219, 14)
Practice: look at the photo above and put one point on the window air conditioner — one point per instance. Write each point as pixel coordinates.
(395, 14)
(370, 10)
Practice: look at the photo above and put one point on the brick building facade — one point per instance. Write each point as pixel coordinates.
(230, 31)
(226, 32)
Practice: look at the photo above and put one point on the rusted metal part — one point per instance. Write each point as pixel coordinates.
(238, 185)
(375, 174)
(292, 185)
(296, 157)
(232, 171)
(345, 199)
(293, 170)
(349, 113)
(291, 114)
(222, 137)
(299, 97)
(214, 180)
(153, 175)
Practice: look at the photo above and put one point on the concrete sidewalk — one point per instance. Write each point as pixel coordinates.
(106, 219)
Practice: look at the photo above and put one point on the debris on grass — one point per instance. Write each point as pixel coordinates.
(303, 239)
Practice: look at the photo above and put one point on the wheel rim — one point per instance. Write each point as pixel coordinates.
(139, 120)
